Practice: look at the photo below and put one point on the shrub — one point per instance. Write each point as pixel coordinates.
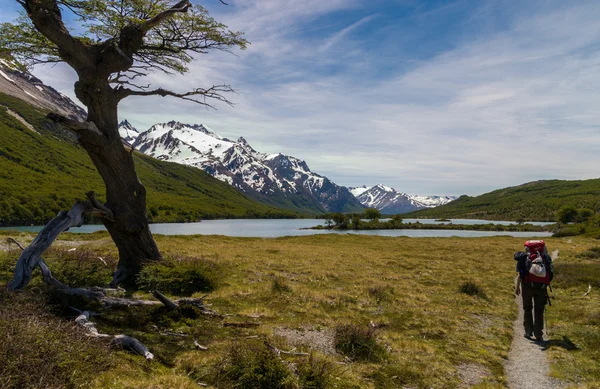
(252, 365)
(372, 214)
(280, 286)
(358, 343)
(584, 214)
(78, 267)
(592, 253)
(181, 277)
(567, 214)
(315, 373)
(472, 289)
(381, 293)
(566, 231)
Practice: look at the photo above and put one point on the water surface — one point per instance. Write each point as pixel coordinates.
(273, 228)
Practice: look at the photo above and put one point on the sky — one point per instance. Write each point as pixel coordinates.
(428, 97)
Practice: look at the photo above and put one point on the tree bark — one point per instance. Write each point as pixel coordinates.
(125, 194)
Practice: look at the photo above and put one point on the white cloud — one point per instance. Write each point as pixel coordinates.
(512, 105)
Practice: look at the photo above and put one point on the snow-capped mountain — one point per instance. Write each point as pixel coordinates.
(275, 179)
(19, 83)
(390, 201)
(128, 132)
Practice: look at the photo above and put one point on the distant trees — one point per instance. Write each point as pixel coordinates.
(567, 214)
(372, 214)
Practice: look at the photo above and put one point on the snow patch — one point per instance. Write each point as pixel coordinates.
(6, 76)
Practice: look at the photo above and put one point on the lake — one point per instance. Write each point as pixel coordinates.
(273, 228)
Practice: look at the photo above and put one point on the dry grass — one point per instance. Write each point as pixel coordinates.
(408, 288)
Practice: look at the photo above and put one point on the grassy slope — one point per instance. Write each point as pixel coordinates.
(43, 173)
(537, 201)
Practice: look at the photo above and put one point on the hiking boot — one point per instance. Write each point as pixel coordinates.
(528, 335)
(539, 339)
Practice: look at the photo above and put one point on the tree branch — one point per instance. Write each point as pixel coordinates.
(74, 125)
(47, 19)
(213, 92)
(182, 6)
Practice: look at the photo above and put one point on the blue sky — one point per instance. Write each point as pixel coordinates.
(429, 97)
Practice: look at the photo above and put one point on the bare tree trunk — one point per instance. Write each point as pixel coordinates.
(125, 194)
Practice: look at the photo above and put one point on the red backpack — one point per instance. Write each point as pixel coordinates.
(538, 265)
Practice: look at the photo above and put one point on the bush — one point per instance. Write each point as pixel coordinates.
(358, 343)
(566, 231)
(592, 253)
(472, 289)
(381, 293)
(253, 366)
(316, 373)
(584, 214)
(181, 277)
(280, 286)
(567, 214)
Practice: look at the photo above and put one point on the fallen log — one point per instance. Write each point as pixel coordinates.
(120, 340)
(31, 255)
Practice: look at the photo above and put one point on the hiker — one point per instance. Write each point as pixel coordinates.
(535, 272)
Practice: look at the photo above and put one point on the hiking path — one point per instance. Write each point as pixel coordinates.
(527, 366)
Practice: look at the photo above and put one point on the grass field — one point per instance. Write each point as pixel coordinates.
(373, 312)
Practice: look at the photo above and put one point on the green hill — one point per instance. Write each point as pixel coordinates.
(534, 201)
(42, 170)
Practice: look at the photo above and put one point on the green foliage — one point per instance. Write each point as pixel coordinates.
(43, 174)
(372, 214)
(190, 32)
(584, 215)
(358, 343)
(567, 231)
(397, 219)
(340, 220)
(537, 201)
(567, 214)
(180, 276)
(472, 289)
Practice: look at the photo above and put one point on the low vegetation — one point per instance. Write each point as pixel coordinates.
(326, 311)
(369, 220)
(535, 201)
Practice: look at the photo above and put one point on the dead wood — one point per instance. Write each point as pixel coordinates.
(242, 325)
(278, 352)
(31, 256)
(163, 299)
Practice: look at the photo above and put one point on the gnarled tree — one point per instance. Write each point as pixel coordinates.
(121, 42)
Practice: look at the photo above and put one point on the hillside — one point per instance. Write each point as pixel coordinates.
(534, 201)
(42, 171)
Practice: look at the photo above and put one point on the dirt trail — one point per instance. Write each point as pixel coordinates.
(527, 366)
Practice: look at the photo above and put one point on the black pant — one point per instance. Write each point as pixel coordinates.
(535, 297)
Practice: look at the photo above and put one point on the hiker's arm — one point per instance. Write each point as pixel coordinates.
(518, 284)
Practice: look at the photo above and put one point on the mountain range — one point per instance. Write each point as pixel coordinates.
(390, 201)
(275, 179)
